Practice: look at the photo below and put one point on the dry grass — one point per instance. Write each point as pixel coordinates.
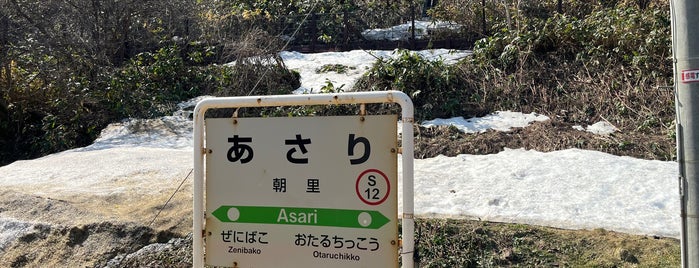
(468, 243)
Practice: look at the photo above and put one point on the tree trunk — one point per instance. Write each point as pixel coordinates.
(5, 62)
(507, 14)
(517, 4)
(560, 6)
(485, 27)
(643, 4)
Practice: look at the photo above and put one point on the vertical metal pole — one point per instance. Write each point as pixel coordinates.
(198, 189)
(408, 231)
(685, 48)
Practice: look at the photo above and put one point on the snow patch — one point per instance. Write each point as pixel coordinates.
(11, 229)
(571, 189)
(356, 61)
(403, 32)
(600, 128)
(499, 121)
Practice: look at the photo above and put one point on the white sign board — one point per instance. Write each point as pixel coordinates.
(301, 192)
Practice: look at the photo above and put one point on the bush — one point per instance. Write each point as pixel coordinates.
(605, 65)
(47, 118)
(437, 90)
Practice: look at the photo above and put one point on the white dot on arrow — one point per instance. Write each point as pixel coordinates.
(233, 214)
(364, 219)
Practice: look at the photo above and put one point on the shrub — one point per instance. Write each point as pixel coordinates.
(44, 118)
(607, 64)
(435, 87)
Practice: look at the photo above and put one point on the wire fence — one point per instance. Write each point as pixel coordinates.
(348, 30)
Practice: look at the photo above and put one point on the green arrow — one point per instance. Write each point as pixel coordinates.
(302, 216)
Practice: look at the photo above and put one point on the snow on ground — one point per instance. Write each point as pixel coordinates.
(10, 229)
(500, 121)
(566, 189)
(599, 128)
(572, 189)
(357, 61)
(404, 31)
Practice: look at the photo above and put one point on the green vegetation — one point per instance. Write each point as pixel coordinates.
(608, 64)
(53, 115)
(338, 68)
(581, 61)
(598, 63)
(436, 88)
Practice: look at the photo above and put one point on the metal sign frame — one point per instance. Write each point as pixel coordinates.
(407, 150)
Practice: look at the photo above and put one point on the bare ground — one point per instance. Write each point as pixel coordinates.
(546, 136)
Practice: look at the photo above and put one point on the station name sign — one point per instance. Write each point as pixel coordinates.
(301, 192)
